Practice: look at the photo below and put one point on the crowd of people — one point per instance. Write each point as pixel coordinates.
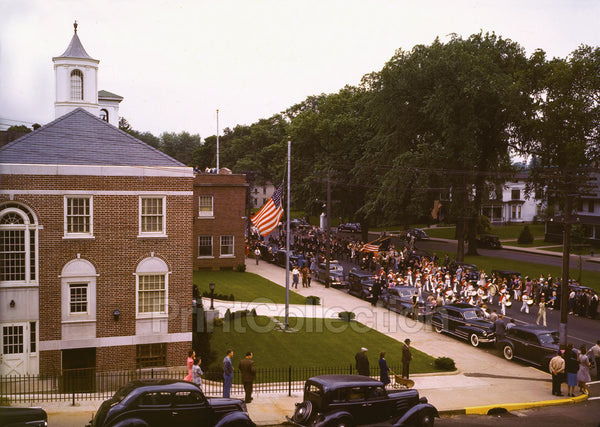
(439, 280)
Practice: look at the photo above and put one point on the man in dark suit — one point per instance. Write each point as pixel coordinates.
(362, 362)
(248, 372)
(406, 358)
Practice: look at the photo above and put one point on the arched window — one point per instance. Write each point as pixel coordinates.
(104, 114)
(152, 283)
(18, 244)
(76, 85)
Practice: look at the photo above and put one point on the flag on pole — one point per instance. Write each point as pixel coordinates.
(268, 217)
(371, 247)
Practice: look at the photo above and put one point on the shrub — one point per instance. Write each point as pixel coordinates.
(313, 300)
(217, 322)
(445, 363)
(238, 314)
(221, 297)
(346, 316)
(525, 237)
(240, 268)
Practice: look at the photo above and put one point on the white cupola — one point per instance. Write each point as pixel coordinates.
(76, 75)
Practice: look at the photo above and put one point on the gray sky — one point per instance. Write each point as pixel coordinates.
(177, 62)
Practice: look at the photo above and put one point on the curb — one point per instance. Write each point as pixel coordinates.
(486, 409)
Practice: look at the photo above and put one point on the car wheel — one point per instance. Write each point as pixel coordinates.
(438, 329)
(474, 340)
(508, 352)
(345, 421)
(426, 419)
(303, 412)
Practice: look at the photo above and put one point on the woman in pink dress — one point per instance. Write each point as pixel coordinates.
(190, 364)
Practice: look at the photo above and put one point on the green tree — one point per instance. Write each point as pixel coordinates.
(19, 128)
(180, 146)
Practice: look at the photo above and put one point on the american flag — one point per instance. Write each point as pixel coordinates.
(370, 247)
(267, 218)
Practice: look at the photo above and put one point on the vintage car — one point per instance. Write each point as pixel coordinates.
(488, 241)
(399, 299)
(530, 343)
(470, 271)
(336, 274)
(22, 417)
(281, 255)
(418, 233)
(506, 274)
(353, 227)
(360, 283)
(155, 402)
(356, 400)
(464, 321)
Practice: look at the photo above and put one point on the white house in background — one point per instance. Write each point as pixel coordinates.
(260, 194)
(511, 203)
(76, 77)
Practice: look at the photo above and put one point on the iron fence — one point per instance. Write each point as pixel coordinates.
(89, 384)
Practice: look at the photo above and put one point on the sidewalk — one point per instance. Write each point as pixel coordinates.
(483, 380)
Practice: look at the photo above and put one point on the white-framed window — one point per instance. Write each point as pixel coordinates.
(13, 339)
(78, 298)
(152, 216)
(152, 287)
(516, 212)
(18, 245)
(227, 246)
(205, 246)
(104, 114)
(79, 216)
(205, 206)
(76, 85)
(78, 291)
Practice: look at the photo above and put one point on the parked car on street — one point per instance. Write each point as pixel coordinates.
(336, 274)
(399, 299)
(469, 270)
(22, 417)
(464, 321)
(280, 257)
(352, 227)
(168, 403)
(506, 274)
(418, 233)
(530, 343)
(488, 241)
(360, 283)
(356, 400)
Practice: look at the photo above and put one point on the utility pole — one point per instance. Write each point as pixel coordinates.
(564, 286)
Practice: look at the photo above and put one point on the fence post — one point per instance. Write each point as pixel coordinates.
(350, 370)
(290, 380)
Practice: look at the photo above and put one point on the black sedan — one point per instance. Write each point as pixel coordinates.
(530, 343)
(356, 400)
(23, 417)
(464, 321)
(154, 403)
(400, 300)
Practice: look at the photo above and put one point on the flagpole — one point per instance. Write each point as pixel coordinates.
(287, 242)
(217, 141)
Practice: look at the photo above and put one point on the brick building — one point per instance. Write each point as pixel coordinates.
(219, 220)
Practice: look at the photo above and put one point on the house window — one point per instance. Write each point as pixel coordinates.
(76, 85)
(78, 216)
(227, 246)
(152, 294)
(590, 206)
(205, 206)
(18, 244)
(152, 216)
(150, 355)
(78, 301)
(104, 114)
(12, 339)
(516, 212)
(205, 246)
(515, 194)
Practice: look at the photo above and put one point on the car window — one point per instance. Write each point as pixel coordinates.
(182, 398)
(353, 394)
(453, 313)
(529, 337)
(405, 293)
(155, 398)
(548, 338)
(470, 314)
(376, 392)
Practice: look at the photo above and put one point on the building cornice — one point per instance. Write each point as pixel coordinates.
(96, 170)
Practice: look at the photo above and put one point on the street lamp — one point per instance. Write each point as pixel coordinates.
(211, 285)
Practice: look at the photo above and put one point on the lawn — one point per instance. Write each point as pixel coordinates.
(326, 343)
(503, 232)
(244, 286)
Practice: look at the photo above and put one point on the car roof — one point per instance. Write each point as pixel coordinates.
(460, 306)
(536, 329)
(360, 272)
(333, 382)
(172, 385)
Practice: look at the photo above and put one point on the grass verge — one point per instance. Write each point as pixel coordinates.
(326, 343)
(244, 286)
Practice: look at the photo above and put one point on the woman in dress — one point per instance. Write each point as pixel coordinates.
(384, 376)
(583, 374)
(571, 368)
(197, 373)
(190, 364)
